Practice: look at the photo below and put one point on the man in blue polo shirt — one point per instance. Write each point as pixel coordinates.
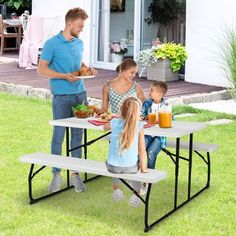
(62, 55)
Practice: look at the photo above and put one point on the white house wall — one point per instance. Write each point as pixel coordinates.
(205, 24)
(53, 14)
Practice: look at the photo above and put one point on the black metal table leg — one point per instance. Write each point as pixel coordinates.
(147, 226)
(68, 154)
(190, 164)
(85, 151)
(30, 177)
(208, 170)
(85, 145)
(176, 172)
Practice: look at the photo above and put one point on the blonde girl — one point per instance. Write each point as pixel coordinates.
(127, 152)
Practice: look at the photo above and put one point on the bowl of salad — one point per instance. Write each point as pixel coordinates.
(82, 111)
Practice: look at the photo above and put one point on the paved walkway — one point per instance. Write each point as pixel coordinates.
(225, 106)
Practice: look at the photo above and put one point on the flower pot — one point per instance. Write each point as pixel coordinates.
(117, 58)
(161, 71)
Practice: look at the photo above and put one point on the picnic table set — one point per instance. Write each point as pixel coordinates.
(175, 132)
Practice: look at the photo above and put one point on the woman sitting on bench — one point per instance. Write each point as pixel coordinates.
(127, 147)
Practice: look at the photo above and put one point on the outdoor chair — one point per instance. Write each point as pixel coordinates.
(32, 42)
(5, 35)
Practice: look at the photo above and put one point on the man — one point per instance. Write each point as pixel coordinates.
(62, 55)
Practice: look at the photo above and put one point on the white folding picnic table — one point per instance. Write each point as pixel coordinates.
(177, 131)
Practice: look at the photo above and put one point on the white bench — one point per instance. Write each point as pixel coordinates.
(203, 150)
(92, 167)
(89, 166)
(199, 147)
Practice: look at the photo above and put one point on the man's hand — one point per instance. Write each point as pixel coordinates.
(71, 78)
(93, 71)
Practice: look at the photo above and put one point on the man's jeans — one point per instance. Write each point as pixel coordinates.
(62, 108)
(153, 147)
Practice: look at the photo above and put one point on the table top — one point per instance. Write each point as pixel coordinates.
(178, 129)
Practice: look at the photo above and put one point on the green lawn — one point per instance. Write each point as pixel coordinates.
(24, 128)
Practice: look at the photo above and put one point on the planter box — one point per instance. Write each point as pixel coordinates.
(142, 70)
(161, 71)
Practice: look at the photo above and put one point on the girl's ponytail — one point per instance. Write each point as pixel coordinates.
(130, 113)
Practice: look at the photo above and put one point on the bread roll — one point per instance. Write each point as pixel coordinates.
(83, 71)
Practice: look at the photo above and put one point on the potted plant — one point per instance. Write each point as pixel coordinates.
(163, 61)
(118, 49)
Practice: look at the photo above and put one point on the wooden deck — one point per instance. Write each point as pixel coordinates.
(11, 73)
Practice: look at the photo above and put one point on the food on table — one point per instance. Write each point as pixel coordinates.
(107, 116)
(83, 71)
(92, 109)
(83, 111)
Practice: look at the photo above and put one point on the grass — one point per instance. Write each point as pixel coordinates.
(24, 129)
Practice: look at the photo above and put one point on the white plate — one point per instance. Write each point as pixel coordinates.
(85, 76)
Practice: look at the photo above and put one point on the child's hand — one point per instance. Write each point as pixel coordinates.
(107, 126)
(144, 117)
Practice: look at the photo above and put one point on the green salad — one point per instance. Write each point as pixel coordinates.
(80, 107)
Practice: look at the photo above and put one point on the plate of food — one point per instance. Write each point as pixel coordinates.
(83, 111)
(85, 76)
(84, 72)
(106, 117)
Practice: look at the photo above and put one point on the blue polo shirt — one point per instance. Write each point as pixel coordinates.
(64, 57)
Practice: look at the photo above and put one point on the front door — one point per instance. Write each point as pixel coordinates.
(117, 20)
(115, 23)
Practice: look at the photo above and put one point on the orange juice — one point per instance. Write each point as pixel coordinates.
(165, 119)
(152, 118)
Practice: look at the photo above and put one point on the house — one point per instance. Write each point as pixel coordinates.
(206, 23)
(108, 22)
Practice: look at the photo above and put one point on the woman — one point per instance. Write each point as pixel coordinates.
(114, 92)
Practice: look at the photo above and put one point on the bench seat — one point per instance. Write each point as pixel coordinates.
(200, 147)
(89, 166)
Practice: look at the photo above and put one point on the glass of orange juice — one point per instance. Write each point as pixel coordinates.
(152, 118)
(165, 119)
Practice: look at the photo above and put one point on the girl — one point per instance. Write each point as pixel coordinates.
(127, 147)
